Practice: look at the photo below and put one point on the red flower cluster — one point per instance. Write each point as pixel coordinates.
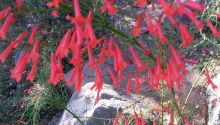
(56, 4)
(33, 55)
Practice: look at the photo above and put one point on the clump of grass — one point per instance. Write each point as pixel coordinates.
(43, 99)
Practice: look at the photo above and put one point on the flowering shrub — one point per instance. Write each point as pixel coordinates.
(165, 70)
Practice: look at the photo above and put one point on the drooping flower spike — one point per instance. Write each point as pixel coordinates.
(109, 6)
(33, 34)
(136, 31)
(5, 26)
(4, 12)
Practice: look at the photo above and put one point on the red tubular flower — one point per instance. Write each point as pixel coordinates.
(209, 80)
(150, 27)
(18, 70)
(172, 19)
(145, 50)
(6, 52)
(20, 38)
(30, 76)
(79, 78)
(117, 118)
(215, 32)
(193, 5)
(71, 77)
(199, 25)
(153, 5)
(151, 77)
(168, 76)
(54, 3)
(162, 38)
(168, 8)
(140, 65)
(110, 51)
(137, 83)
(137, 120)
(141, 3)
(125, 120)
(91, 57)
(53, 71)
(180, 9)
(101, 58)
(60, 73)
(76, 58)
(187, 38)
(129, 82)
(98, 82)
(115, 81)
(176, 76)
(78, 18)
(120, 61)
(158, 71)
(5, 26)
(54, 13)
(93, 41)
(4, 12)
(33, 34)
(12, 45)
(35, 51)
(142, 120)
(136, 31)
(109, 6)
(176, 56)
(63, 48)
(18, 4)
(79, 34)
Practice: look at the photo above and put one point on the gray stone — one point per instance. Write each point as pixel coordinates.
(213, 99)
(84, 105)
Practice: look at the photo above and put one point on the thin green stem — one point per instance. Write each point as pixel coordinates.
(75, 116)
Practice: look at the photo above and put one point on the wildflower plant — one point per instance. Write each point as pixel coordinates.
(164, 67)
